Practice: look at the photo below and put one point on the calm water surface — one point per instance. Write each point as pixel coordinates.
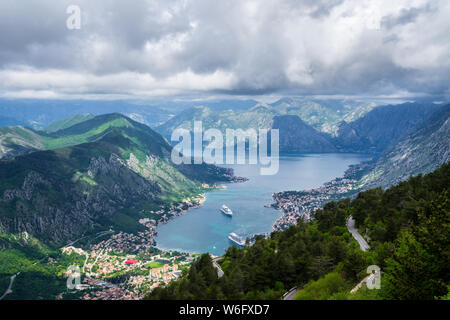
(206, 229)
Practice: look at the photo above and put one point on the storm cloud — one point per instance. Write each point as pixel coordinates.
(148, 48)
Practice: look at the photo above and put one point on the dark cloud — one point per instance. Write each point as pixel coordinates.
(324, 7)
(247, 47)
(406, 16)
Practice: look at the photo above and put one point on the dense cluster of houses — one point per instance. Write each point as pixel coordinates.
(295, 204)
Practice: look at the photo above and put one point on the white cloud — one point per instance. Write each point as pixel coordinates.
(149, 47)
(26, 81)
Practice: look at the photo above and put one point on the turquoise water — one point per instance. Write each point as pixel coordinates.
(206, 229)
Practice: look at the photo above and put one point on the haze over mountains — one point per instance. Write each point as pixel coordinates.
(39, 113)
(322, 115)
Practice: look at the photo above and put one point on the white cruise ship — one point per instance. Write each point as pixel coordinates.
(227, 211)
(236, 239)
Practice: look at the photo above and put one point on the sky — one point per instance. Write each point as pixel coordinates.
(244, 48)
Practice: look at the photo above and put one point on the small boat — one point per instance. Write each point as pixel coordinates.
(236, 239)
(227, 211)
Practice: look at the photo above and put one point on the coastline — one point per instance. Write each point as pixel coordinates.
(176, 210)
(301, 204)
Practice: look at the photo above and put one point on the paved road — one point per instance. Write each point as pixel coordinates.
(85, 261)
(11, 281)
(290, 295)
(368, 279)
(361, 241)
(96, 258)
(220, 272)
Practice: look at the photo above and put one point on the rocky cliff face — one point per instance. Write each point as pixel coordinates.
(60, 209)
(422, 151)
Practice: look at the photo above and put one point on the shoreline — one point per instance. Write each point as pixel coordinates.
(300, 204)
(201, 200)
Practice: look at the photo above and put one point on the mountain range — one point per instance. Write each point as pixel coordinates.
(308, 126)
(323, 116)
(40, 113)
(382, 127)
(99, 167)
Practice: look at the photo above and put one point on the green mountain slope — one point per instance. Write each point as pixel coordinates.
(122, 173)
(20, 140)
(38, 276)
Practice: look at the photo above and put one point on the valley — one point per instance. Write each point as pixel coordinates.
(188, 155)
(101, 193)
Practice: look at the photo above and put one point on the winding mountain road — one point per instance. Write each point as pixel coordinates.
(220, 272)
(11, 281)
(359, 238)
(290, 295)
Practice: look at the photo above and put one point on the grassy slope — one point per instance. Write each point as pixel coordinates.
(87, 131)
(68, 122)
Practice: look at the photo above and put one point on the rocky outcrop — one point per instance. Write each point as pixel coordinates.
(59, 210)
